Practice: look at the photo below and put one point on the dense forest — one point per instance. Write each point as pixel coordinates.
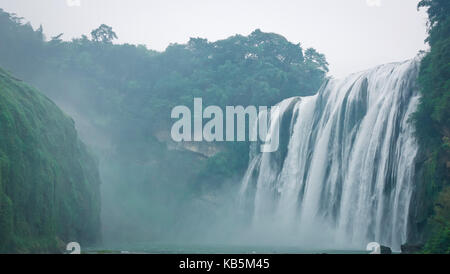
(49, 182)
(432, 121)
(121, 97)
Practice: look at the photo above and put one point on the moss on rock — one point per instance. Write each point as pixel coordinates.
(49, 183)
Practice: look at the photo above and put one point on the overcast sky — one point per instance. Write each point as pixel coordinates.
(353, 34)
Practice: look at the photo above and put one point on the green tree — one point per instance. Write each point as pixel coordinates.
(104, 34)
(432, 121)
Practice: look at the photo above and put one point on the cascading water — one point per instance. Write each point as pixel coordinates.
(345, 173)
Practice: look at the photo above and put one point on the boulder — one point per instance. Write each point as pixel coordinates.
(411, 249)
(385, 250)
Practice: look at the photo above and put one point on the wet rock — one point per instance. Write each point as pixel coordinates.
(385, 250)
(411, 249)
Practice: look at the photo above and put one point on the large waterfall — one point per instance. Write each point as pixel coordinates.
(345, 173)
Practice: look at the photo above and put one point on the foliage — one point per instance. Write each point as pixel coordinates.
(49, 184)
(260, 69)
(104, 34)
(432, 121)
(437, 10)
(439, 241)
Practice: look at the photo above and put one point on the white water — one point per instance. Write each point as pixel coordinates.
(346, 178)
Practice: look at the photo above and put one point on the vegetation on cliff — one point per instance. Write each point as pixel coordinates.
(432, 121)
(49, 183)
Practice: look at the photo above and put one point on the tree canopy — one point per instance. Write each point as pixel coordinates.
(104, 34)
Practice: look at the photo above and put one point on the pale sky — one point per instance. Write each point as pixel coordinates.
(353, 34)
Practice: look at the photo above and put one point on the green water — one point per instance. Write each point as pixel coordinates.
(212, 249)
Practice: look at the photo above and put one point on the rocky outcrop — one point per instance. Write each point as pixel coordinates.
(411, 249)
(385, 250)
(204, 149)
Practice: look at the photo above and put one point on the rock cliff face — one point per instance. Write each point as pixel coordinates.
(49, 183)
(203, 149)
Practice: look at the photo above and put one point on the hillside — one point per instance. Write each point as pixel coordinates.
(49, 183)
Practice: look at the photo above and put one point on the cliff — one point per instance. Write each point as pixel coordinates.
(49, 183)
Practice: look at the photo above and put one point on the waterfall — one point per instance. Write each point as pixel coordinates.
(345, 173)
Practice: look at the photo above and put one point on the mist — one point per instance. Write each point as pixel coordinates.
(345, 170)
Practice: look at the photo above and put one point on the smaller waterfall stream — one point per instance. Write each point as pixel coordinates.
(346, 173)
